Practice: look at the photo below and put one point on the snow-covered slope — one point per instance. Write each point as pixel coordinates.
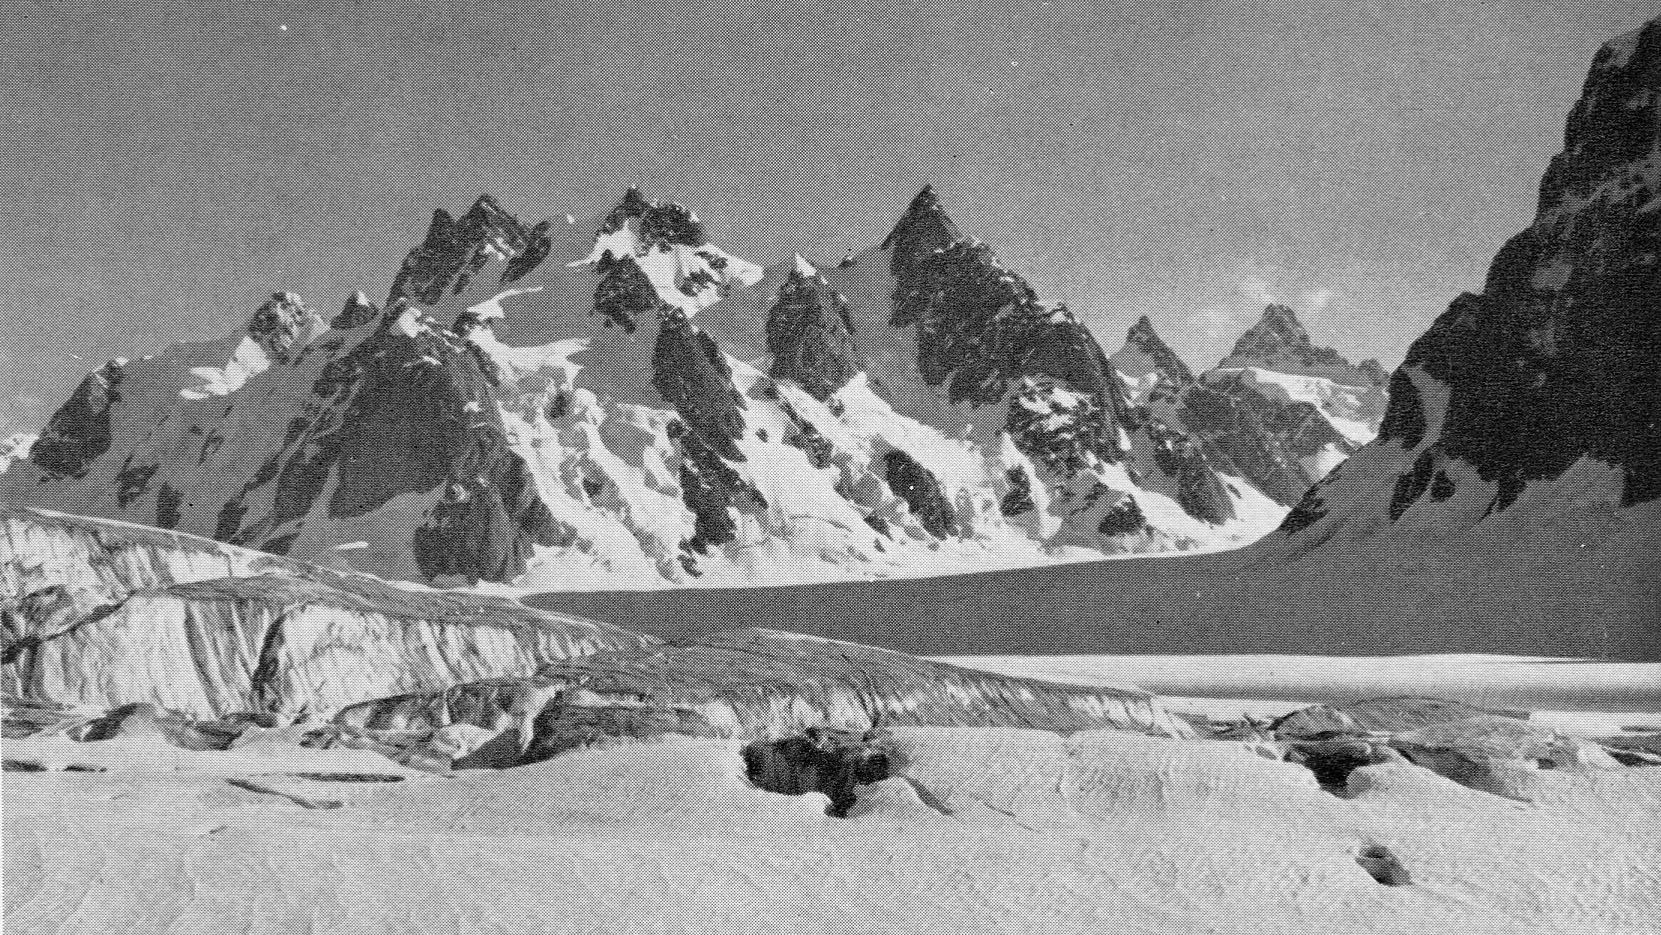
(100, 613)
(623, 405)
(986, 831)
(1278, 411)
(15, 447)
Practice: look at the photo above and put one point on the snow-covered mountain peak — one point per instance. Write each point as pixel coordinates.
(1279, 342)
(357, 311)
(627, 405)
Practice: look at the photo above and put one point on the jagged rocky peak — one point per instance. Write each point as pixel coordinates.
(1280, 342)
(456, 248)
(810, 334)
(657, 224)
(79, 432)
(358, 311)
(1145, 352)
(280, 323)
(923, 229)
(1555, 360)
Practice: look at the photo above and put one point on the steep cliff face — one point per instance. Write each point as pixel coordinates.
(1555, 361)
(810, 334)
(456, 249)
(102, 614)
(1279, 342)
(79, 432)
(1516, 477)
(1553, 365)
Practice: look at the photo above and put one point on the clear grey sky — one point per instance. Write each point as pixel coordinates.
(168, 164)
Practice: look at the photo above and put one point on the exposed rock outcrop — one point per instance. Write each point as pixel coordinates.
(810, 336)
(456, 249)
(280, 324)
(1489, 752)
(79, 432)
(357, 312)
(1278, 412)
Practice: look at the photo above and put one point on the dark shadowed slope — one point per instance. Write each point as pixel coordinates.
(1195, 604)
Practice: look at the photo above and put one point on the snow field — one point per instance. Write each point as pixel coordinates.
(992, 831)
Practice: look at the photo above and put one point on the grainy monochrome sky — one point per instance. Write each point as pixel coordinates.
(166, 164)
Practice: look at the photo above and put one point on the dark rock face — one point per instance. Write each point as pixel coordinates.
(399, 415)
(1261, 437)
(1194, 463)
(1143, 337)
(486, 521)
(806, 436)
(358, 311)
(920, 489)
(1555, 360)
(277, 325)
(79, 432)
(923, 229)
(711, 489)
(982, 333)
(659, 224)
(810, 336)
(133, 481)
(824, 760)
(455, 249)
(1124, 519)
(1404, 420)
(625, 295)
(537, 247)
(1060, 432)
(1412, 485)
(690, 373)
(168, 501)
(1019, 498)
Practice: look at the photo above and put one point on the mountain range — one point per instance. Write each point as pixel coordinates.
(622, 404)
